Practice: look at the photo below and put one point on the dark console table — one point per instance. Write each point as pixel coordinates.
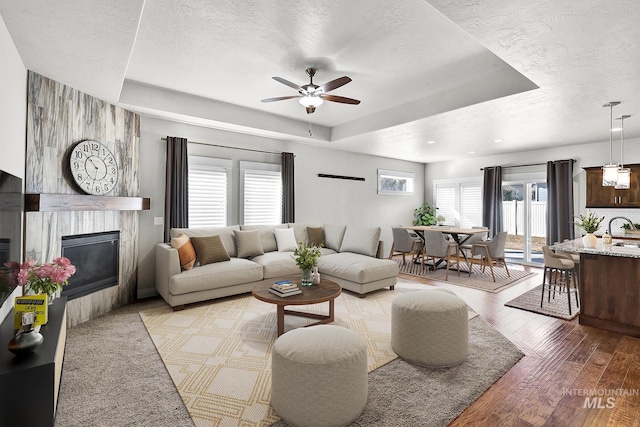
(29, 385)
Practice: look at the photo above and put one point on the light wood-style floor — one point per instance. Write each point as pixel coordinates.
(560, 355)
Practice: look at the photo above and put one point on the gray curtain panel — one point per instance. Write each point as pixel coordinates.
(288, 188)
(559, 200)
(176, 198)
(492, 200)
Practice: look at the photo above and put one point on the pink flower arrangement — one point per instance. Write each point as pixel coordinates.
(38, 278)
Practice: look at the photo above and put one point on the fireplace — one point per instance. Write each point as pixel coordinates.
(95, 256)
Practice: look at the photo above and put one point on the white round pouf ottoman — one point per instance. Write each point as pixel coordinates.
(430, 328)
(319, 376)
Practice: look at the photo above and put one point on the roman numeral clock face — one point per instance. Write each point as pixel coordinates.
(93, 167)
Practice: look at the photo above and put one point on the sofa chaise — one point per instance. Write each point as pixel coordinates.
(232, 260)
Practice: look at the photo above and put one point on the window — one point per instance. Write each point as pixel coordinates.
(446, 203)
(261, 193)
(209, 182)
(470, 205)
(397, 183)
(459, 202)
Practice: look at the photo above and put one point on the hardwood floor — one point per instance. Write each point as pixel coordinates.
(563, 361)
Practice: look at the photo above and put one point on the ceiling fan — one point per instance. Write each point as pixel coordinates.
(312, 95)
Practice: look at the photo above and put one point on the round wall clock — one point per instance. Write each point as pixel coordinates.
(93, 167)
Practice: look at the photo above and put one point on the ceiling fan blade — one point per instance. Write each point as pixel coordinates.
(341, 99)
(335, 84)
(310, 110)
(287, 82)
(280, 98)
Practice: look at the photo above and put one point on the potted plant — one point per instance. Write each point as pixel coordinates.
(590, 223)
(425, 215)
(306, 257)
(39, 278)
(440, 219)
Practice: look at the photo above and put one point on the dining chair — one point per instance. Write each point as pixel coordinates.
(559, 273)
(404, 243)
(474, 238)
(437, 247)
(489, 253)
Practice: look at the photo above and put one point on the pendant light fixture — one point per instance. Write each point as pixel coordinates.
(610, 170)
(624, 174)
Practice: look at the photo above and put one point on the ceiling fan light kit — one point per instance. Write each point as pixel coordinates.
(311, 95)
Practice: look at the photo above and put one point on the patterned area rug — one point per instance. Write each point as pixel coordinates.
(557, 306)
(477, 280)
(219, 353)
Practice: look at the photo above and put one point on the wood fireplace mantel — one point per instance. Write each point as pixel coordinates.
(81, 202)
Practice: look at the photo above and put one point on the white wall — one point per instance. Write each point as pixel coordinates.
(318, 200)
(13, 118)
(585, 155)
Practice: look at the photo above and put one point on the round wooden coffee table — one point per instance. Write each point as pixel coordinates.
(327, 290)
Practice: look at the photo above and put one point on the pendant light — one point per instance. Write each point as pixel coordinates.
(610, 170)
(624, 174)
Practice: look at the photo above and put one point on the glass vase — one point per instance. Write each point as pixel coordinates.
(306, 278)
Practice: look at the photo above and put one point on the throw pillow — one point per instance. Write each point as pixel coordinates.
(186, 252)
(333, 235)
(361, 240)
(316, 236)
(286, 239)
(249, 244)
(210, 249)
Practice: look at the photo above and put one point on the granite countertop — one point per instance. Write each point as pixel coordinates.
(576, 246)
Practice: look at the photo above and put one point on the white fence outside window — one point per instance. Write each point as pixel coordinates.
(513, 218)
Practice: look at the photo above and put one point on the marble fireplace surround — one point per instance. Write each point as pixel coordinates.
(58, 117)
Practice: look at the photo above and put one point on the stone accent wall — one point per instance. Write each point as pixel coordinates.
(57, 118)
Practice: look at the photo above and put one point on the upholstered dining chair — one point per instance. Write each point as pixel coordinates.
(559, 273)
(437, 247)
(404, 243)
(474, 238)
(489, 253)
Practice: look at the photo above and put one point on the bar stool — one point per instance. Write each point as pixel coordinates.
(572, 256)
(561, 272)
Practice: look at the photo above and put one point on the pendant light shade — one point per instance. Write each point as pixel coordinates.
(624, 174)
(610, 174)
(610, 170)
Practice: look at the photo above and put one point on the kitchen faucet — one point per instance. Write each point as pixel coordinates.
(620, 217)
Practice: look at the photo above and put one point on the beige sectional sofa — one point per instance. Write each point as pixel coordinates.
(351, 256)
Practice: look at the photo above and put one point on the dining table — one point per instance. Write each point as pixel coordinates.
(458, 234)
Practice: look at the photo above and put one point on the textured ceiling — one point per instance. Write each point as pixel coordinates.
(532, 73)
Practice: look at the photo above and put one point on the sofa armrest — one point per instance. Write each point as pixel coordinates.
(167, 264)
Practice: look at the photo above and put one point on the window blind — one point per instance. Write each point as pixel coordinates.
(470, 205)
(446, 203)
(207, 196)
(262, 195)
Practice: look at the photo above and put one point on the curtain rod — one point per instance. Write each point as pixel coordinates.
(227, 146)
(529, 164)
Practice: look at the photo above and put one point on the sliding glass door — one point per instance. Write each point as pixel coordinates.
(524, 204)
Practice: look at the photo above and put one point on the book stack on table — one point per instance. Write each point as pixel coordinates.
(285, 288)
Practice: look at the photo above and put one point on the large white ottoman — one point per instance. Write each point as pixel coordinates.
(319, 376)
(430, 328)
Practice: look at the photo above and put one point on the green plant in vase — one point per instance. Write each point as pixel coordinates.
(590, 223)
(425, 215)
(306, 257)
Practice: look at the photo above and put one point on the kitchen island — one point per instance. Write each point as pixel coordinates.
(609, 285)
